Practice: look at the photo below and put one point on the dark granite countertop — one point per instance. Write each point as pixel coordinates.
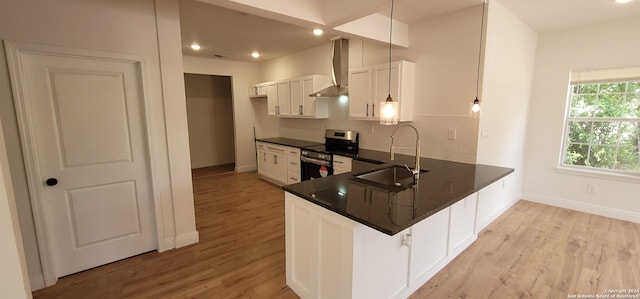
(289, 141)
(391, 209)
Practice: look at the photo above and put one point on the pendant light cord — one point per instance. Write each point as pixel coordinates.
(480, 51)
(390, 35)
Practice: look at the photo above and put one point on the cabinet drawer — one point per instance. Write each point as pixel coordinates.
(294, 164)
(341, 164)
(293, 177)
(293, 152)
(276, 148)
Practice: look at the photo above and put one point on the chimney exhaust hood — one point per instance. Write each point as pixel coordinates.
(339, 72)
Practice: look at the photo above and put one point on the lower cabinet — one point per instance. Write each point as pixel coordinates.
(341, 164)
(278, 163)
(331, 256)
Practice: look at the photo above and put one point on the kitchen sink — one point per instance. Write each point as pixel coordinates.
(396, 175)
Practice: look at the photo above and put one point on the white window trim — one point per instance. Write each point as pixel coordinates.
(597, 173)
(601, 76)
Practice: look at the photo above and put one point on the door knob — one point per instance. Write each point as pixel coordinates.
(51, 181)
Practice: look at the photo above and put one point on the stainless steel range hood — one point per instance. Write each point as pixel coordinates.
(339, 72)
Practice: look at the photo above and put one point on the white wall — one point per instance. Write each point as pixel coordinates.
(148, 28)
(509, 62)
(210, 117)
(597, 46)
(445, 52)
(248, 113)
(14, 280)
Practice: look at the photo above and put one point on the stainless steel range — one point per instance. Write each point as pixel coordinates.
(317, 160)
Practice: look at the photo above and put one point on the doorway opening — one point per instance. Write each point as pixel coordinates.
(211, 126)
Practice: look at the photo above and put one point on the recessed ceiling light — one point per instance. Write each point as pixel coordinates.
(255, 54)
(195, 47)
(622, 1)
(318, 31)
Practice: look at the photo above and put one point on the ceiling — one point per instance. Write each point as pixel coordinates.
(234, 34)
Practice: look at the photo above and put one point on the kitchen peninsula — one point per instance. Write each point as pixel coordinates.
(347, 237)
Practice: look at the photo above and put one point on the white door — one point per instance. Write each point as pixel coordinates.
(87, 131)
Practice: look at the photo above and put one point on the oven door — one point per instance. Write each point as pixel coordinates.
(314, 168)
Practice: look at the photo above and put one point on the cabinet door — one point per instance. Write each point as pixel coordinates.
(428, 244)
(341, 164)
(272, 98)
(284, 98)
(308, 103)
(462, 223)
(360, 93)
(381, 83)
(280, 170)
(263, 162)
(261, 90)
(296, 96)
(381, 264)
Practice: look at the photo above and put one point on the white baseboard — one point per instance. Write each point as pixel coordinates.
(246, 168)
(36, 282)
(582, 207)
(187, 239)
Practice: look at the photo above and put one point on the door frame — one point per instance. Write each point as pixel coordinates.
(14, 51)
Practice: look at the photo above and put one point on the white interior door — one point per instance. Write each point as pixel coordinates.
(86, 120)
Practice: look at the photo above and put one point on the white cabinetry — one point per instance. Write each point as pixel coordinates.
(360, 100)
(272, 98)
(261, 150)
(293, 165)
(302, 105)
(370, 86)
(462, 225)
(274, 162)
(493, 200)
(331, 256)
(258, 90)
(290, 98)
(284, 98)
(341, 164)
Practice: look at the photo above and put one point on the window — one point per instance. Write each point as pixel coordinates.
(603, 125)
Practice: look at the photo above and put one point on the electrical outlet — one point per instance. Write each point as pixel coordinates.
(452, 134)
(591, 188)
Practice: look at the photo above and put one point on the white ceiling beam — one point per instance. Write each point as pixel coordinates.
(376, 27)
(353, 18)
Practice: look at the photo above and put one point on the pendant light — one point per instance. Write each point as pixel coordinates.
(389, 108)
(476, 103)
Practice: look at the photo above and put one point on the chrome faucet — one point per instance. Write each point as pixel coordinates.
(416, 169)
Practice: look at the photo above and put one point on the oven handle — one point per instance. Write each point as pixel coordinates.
(315, 161)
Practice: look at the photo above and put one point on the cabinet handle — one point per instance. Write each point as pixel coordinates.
(339, 162)
(300, 109)
(264, 157)
(406, 240)
(373, 110)
(367, 109)
(275, 159)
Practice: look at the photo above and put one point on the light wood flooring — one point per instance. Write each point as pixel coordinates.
(531, 251)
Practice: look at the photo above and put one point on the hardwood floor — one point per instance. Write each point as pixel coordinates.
(539, 251)
(240, 219)
(531, 251)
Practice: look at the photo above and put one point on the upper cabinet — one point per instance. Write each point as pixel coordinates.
(290, 98)
(302, 105)
(258, 91)
(369, 86)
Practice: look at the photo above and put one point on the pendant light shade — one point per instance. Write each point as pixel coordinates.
(476, 105)
(475, 108)
(389, 112)
(389, 107)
